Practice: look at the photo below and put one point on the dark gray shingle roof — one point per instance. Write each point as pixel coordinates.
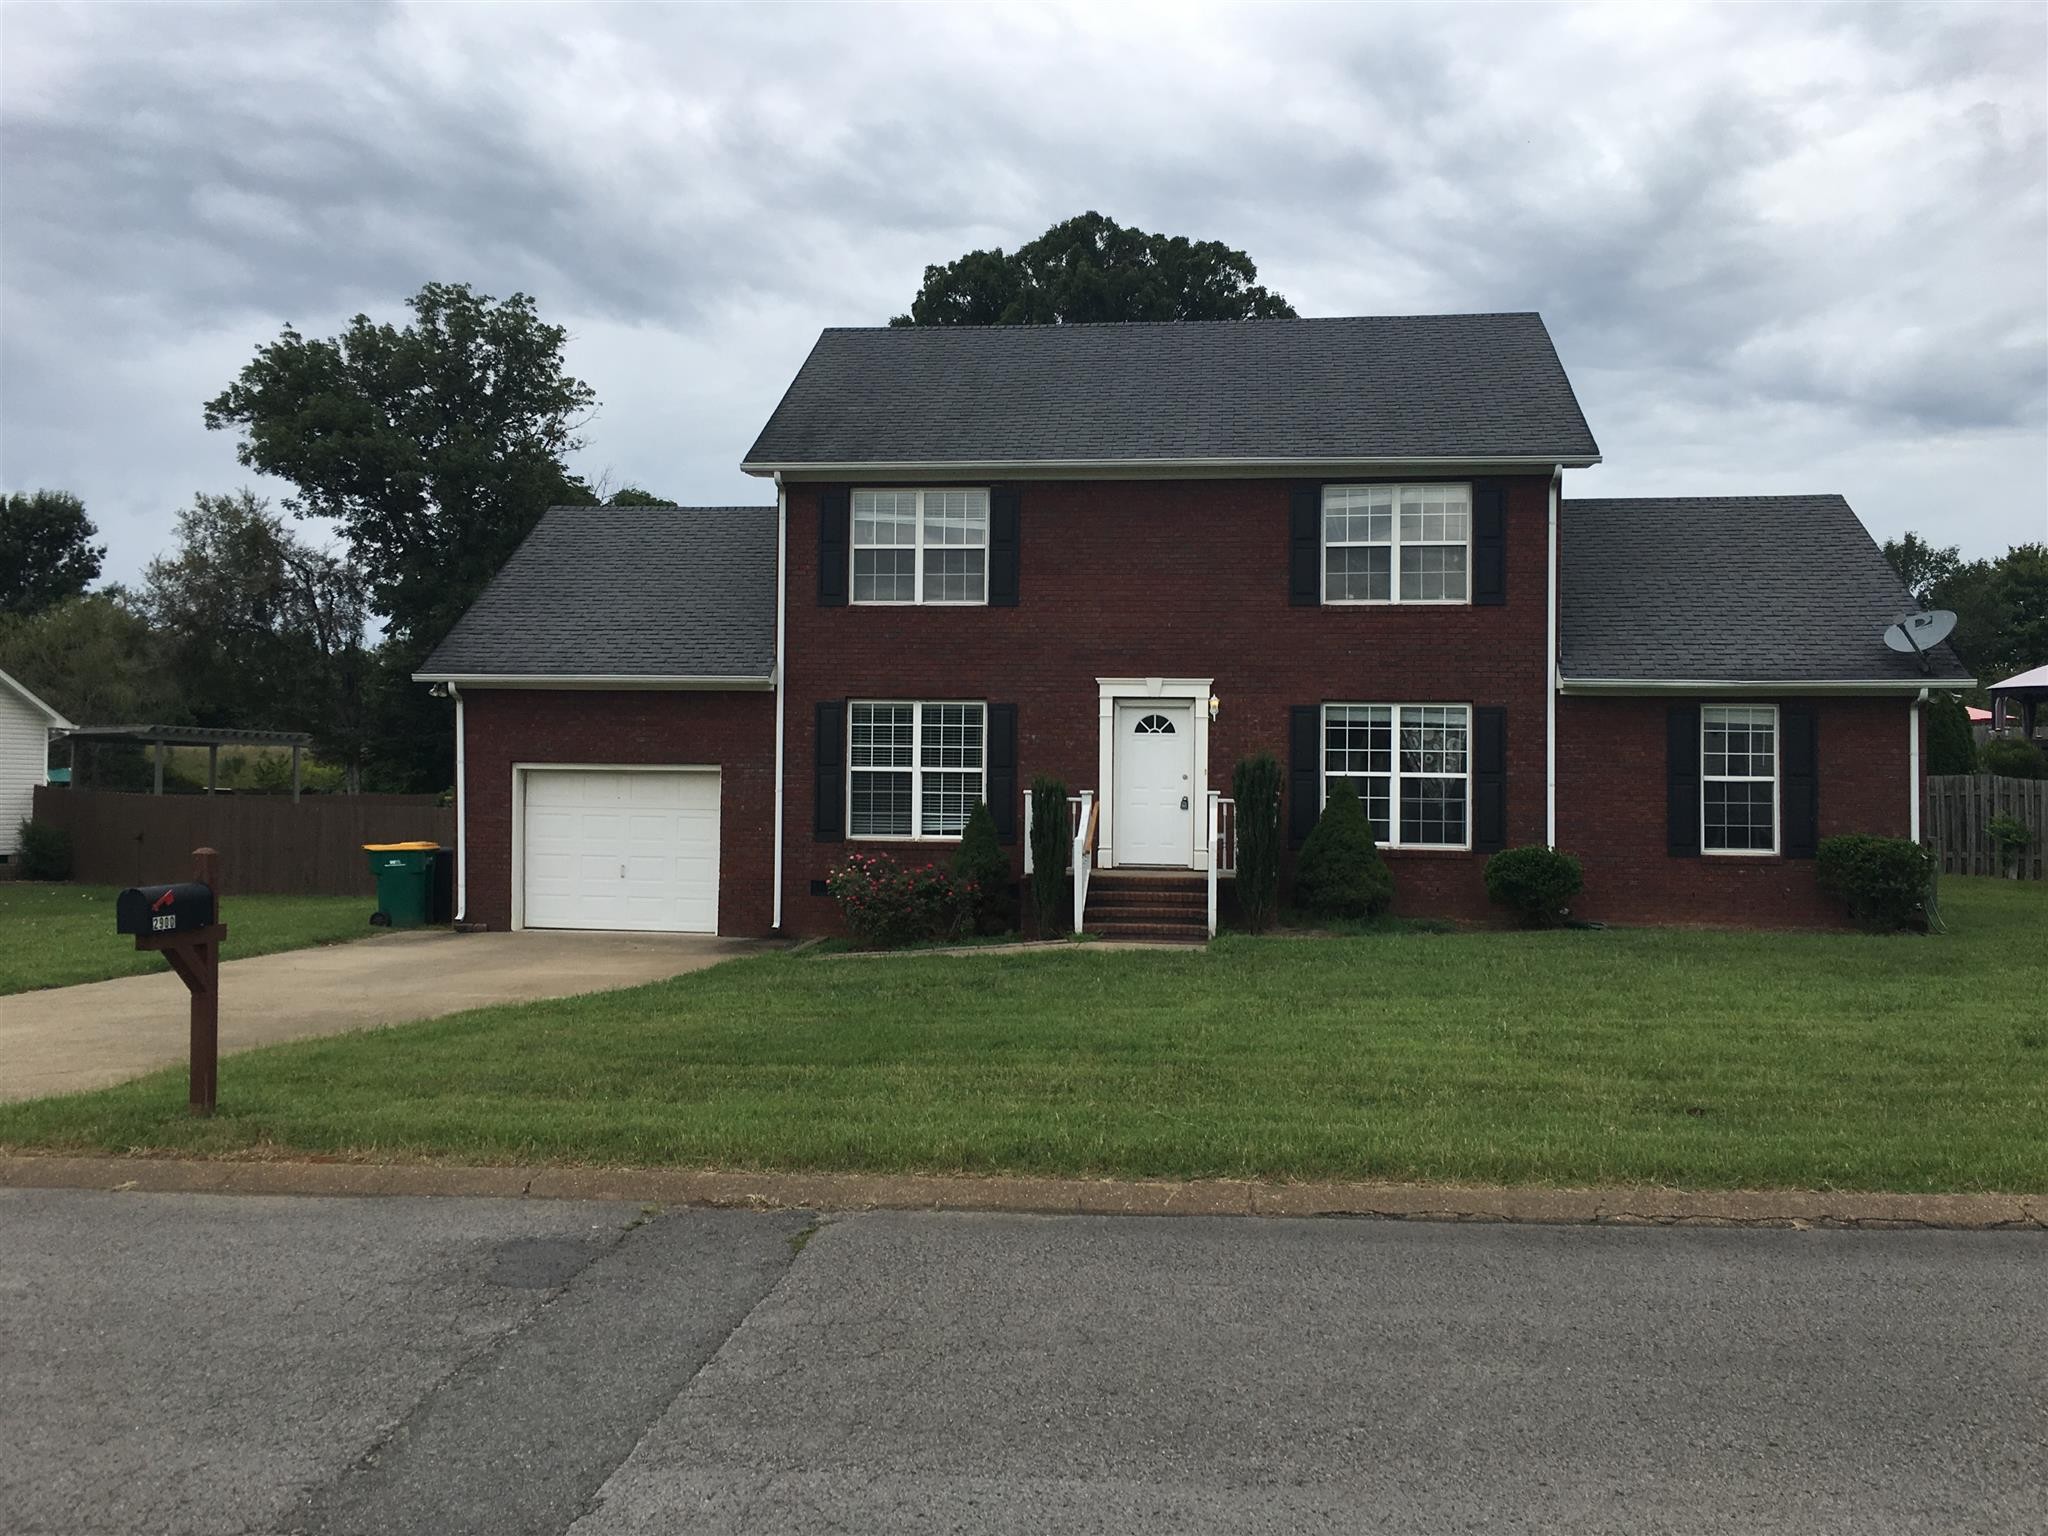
(626, 592)
(1729, 589)
(1387, 387)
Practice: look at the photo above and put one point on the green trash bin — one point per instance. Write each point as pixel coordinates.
(404, 872)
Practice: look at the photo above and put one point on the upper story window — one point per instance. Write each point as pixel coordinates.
(1397, 543)
(1411, 765)
(928, 546)
(1739, 778)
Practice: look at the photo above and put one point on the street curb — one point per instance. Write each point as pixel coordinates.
(1649, 1207)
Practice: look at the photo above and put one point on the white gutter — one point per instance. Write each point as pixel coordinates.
(621, 681)
(1637, 685)
(1001, 467)
(461, 809)
(1913, 762)
(781, 675)
(1550, 679)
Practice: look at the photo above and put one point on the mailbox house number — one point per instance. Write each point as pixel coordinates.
(163, 922)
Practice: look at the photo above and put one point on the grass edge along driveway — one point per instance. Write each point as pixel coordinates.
(62, 935)
(1692, 1059)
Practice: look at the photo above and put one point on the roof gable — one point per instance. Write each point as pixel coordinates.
(19, 691)
(1271, 392)
(1738, 589)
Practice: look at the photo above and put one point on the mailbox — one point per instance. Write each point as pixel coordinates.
(152, 910)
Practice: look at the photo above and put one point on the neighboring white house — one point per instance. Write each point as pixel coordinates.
(25, 726)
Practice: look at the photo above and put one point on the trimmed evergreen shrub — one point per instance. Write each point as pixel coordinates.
(887, 906)
(1537, 883)
(2011, 758)
(982, 871)
(45, 851)
(1051, 843)
(1340, 872)
(1884, 881)
(1255, 786)
(1951, 745)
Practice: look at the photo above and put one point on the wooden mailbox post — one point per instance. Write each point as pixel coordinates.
(183, 921)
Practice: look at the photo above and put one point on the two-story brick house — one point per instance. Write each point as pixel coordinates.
(1131, 555)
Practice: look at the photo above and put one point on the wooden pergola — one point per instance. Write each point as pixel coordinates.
(157, 737)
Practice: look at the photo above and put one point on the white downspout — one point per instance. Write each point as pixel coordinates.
(461, 811)
(781, 671)
(1550, 677)
(1913, 761)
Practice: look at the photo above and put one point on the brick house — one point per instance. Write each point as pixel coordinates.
(1130, 556)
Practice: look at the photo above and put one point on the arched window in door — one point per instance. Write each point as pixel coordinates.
(1154, 725)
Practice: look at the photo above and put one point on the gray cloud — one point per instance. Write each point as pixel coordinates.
(1799, 249)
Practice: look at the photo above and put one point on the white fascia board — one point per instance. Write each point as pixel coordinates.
(1154, 469)
(618, 683)
(1875, 685)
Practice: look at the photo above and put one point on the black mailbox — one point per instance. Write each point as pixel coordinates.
(149, 910)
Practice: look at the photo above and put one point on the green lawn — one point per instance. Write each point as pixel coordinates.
(1684, 1058)
(55, 935)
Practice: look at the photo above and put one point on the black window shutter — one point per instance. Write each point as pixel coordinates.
(1002, 548)
(1799, 769)
(1489, 543)
(1002, 770)
(835, 539)
(828, 816)
(1489, 779)
(1304, 771)
(1682, 780)
(1305, 546)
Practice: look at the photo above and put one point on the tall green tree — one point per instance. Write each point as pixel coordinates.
(1922, 566)
(1091, 268)
(2001, 605)
(46, 550)
(267, 629)
(94, 658)
(434, 446)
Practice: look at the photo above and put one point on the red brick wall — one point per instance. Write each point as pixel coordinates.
(1174, 579)
(734, 730)
(1611, 813)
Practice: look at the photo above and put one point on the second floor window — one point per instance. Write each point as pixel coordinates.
(928, 546)
(1397, 543)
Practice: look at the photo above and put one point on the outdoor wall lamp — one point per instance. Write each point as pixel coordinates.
(1215, 708)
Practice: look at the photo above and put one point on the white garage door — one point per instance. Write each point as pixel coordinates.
(619, 849)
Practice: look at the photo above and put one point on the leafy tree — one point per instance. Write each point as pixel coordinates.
(1921, 566)
(96, 660)
(2001, 605)
(435, 446)
(633, 496)
(1091, 268)
(266, 628)
(46, 550)
(2023, 593)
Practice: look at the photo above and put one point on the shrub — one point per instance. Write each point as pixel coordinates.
(1255, 786)
(2009, 835)
(1537, 883)
(1341, 873)
(981, 866)
(1051, 841)
(887, 906)
(2013, 759)
(45, 851)
(1884, 881)
(1951, 745)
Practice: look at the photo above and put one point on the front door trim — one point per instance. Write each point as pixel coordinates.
(1195, 692)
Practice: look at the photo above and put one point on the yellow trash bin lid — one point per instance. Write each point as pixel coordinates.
(397, 847)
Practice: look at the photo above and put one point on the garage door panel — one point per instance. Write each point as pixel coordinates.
(632, 851)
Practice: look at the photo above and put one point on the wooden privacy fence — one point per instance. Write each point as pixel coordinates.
(1960, 809)
(267, 844)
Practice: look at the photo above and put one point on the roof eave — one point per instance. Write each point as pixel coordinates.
(56, 720)
(1073, 468)
(622, 682)
(1823, 685)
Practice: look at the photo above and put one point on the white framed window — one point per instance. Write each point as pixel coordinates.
(914, 771)
(928, 546)
(1739, 778)
(1411, 765)
(1397, 543)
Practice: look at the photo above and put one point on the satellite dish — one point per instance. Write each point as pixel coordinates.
(1918, 633)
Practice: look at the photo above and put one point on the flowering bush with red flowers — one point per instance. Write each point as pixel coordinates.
(887, 906)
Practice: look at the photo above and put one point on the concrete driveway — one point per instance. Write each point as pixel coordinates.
(70, 1038)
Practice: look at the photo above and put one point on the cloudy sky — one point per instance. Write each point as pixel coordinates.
(1779, 249)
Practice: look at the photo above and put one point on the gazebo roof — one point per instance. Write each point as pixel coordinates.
(2035, 678)
(188, 735)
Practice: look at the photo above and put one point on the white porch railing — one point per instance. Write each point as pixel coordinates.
(1083, 815)
(1222, 847)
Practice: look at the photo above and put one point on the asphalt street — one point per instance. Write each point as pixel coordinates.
(260, 1365)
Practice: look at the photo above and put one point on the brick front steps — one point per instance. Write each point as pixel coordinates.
(1172, 907)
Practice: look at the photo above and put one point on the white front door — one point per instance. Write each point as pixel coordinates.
(620, 849)
(1152, 815)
